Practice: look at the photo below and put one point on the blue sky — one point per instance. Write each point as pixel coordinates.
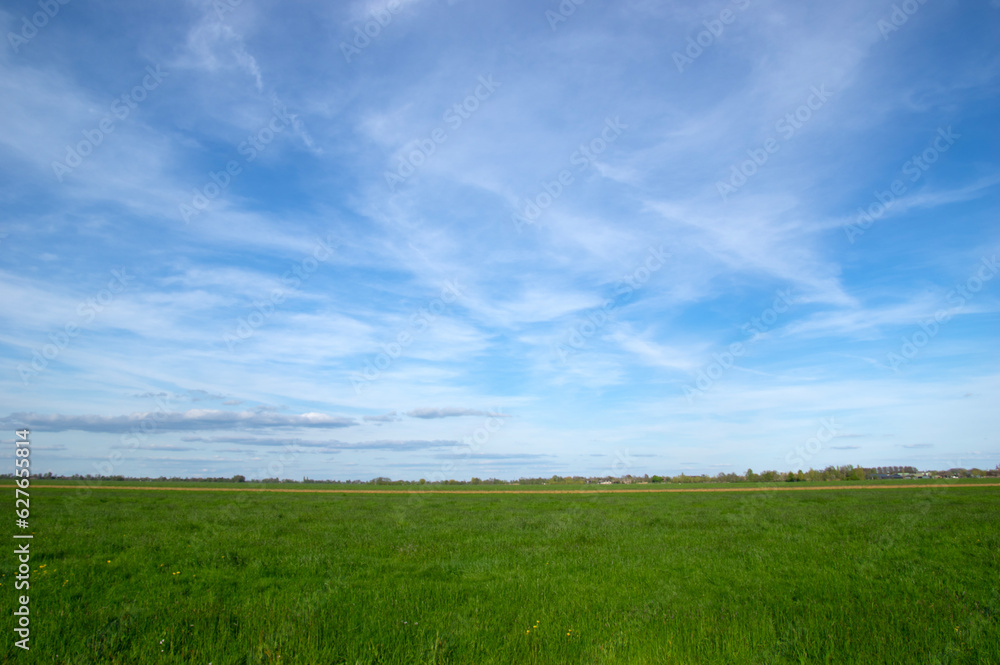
(452, 239)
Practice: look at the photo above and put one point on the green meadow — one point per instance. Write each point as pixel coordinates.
(830, 576)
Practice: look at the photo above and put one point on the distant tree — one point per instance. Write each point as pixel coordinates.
(238, 478)
(831, 473)
(656, 479)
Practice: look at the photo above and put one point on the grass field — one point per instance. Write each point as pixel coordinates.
(509, 487)
(865, 576)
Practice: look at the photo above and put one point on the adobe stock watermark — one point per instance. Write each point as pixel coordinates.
(758, 325)
(565, 9)
(909, 522)
(800, 455)
(786, 127)
(582, 158)
(471, 444)
(29, 28)
(570, 518)
(622, 462)
(915, 167)
(708, 375)
(898, 17)
(223, 7)
(415, 157)
(576, 339)
(290, 452)
(714, 28)
(363, 35)
(929, 328)
(86, 312)
(134, 437)
(218, 182)
(418, 323)
(119, 110)
(293, 278)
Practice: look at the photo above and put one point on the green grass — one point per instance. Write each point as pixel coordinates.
(867, 576)
(343, 487)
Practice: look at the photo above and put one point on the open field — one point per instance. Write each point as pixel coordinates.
(80, 485)
(126, 576)
(464, 489)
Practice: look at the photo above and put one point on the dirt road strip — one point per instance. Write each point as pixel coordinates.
(499, 492)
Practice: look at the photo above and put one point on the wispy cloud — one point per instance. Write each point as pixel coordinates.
(384, 418)
(332, 445)
(193, 419)
(280, 141)
(429, 413)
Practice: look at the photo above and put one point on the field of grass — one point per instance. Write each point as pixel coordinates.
(866, 576)
(344, 487)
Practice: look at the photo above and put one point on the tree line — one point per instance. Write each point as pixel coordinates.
(830, 473)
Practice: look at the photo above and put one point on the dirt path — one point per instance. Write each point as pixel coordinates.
(517, 491)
